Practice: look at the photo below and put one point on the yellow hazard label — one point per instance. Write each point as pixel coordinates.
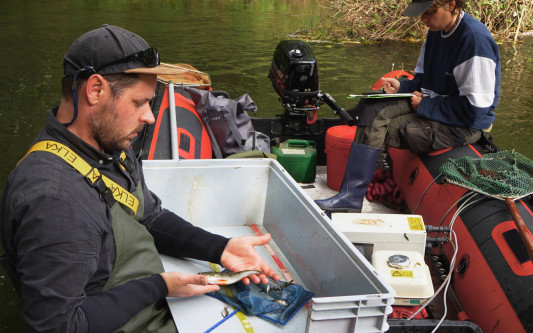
(415, 223)
(399, 273)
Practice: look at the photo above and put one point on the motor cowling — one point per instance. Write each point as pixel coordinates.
(294, 75)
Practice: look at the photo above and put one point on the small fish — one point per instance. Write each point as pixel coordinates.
(227, 278)
(225, 312)
(275, 286)
(282, 302)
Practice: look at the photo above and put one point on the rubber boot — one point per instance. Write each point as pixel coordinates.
(359, 171)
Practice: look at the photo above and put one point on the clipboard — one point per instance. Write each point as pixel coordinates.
(403, 95)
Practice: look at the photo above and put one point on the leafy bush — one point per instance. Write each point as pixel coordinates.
(376, 20)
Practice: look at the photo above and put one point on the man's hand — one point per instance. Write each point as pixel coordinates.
(240, 255)
(390, 85)
(415, 100)
(185, 285)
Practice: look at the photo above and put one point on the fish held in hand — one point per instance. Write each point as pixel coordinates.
(227, 278)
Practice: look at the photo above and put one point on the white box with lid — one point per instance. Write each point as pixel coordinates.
(384, 231)
(382, 238)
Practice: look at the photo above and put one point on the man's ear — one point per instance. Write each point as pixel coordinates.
(94, 89)
(451, 6)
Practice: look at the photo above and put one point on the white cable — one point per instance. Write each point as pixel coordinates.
(447, 280)
(463, 206)
(467, 196)
(452, 264)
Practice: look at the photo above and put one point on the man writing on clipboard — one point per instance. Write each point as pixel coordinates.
(455, 91)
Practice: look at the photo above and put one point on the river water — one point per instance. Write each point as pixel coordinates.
(232, 40)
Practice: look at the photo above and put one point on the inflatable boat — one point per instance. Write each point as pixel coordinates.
(491, 275)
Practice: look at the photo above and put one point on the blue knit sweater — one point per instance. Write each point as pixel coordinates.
(460, 72)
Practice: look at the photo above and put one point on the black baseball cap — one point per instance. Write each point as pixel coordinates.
(417, 7)
(111, 50)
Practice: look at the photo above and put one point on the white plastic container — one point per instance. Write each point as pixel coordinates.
(412, 282)
(237, 197)
(385, 236)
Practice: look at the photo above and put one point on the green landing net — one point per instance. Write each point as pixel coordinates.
(505, 174)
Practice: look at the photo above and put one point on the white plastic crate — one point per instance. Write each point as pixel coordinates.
(237, 197)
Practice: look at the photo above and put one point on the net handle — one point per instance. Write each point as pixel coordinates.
(520, 225)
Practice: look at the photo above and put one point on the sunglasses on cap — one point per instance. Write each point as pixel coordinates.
(432, 9)
(149, 57)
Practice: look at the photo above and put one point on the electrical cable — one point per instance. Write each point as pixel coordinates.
(467, 196)
(453, 241)
(463, 206)
(424, 193)
(447, 281)
(452, 264)
(448, 277)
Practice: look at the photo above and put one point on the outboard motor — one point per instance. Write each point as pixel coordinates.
(294, 76)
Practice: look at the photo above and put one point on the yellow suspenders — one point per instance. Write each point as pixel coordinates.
(92, 175)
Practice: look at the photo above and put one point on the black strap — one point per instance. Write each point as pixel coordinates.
(106, 195)
(232, 125)
(214, 143)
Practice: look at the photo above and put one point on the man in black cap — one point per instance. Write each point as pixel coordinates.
(81, 232)
(455, 91)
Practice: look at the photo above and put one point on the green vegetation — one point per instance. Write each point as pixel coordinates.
(378, 20)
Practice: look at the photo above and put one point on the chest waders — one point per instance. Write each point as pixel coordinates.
(135, 253)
